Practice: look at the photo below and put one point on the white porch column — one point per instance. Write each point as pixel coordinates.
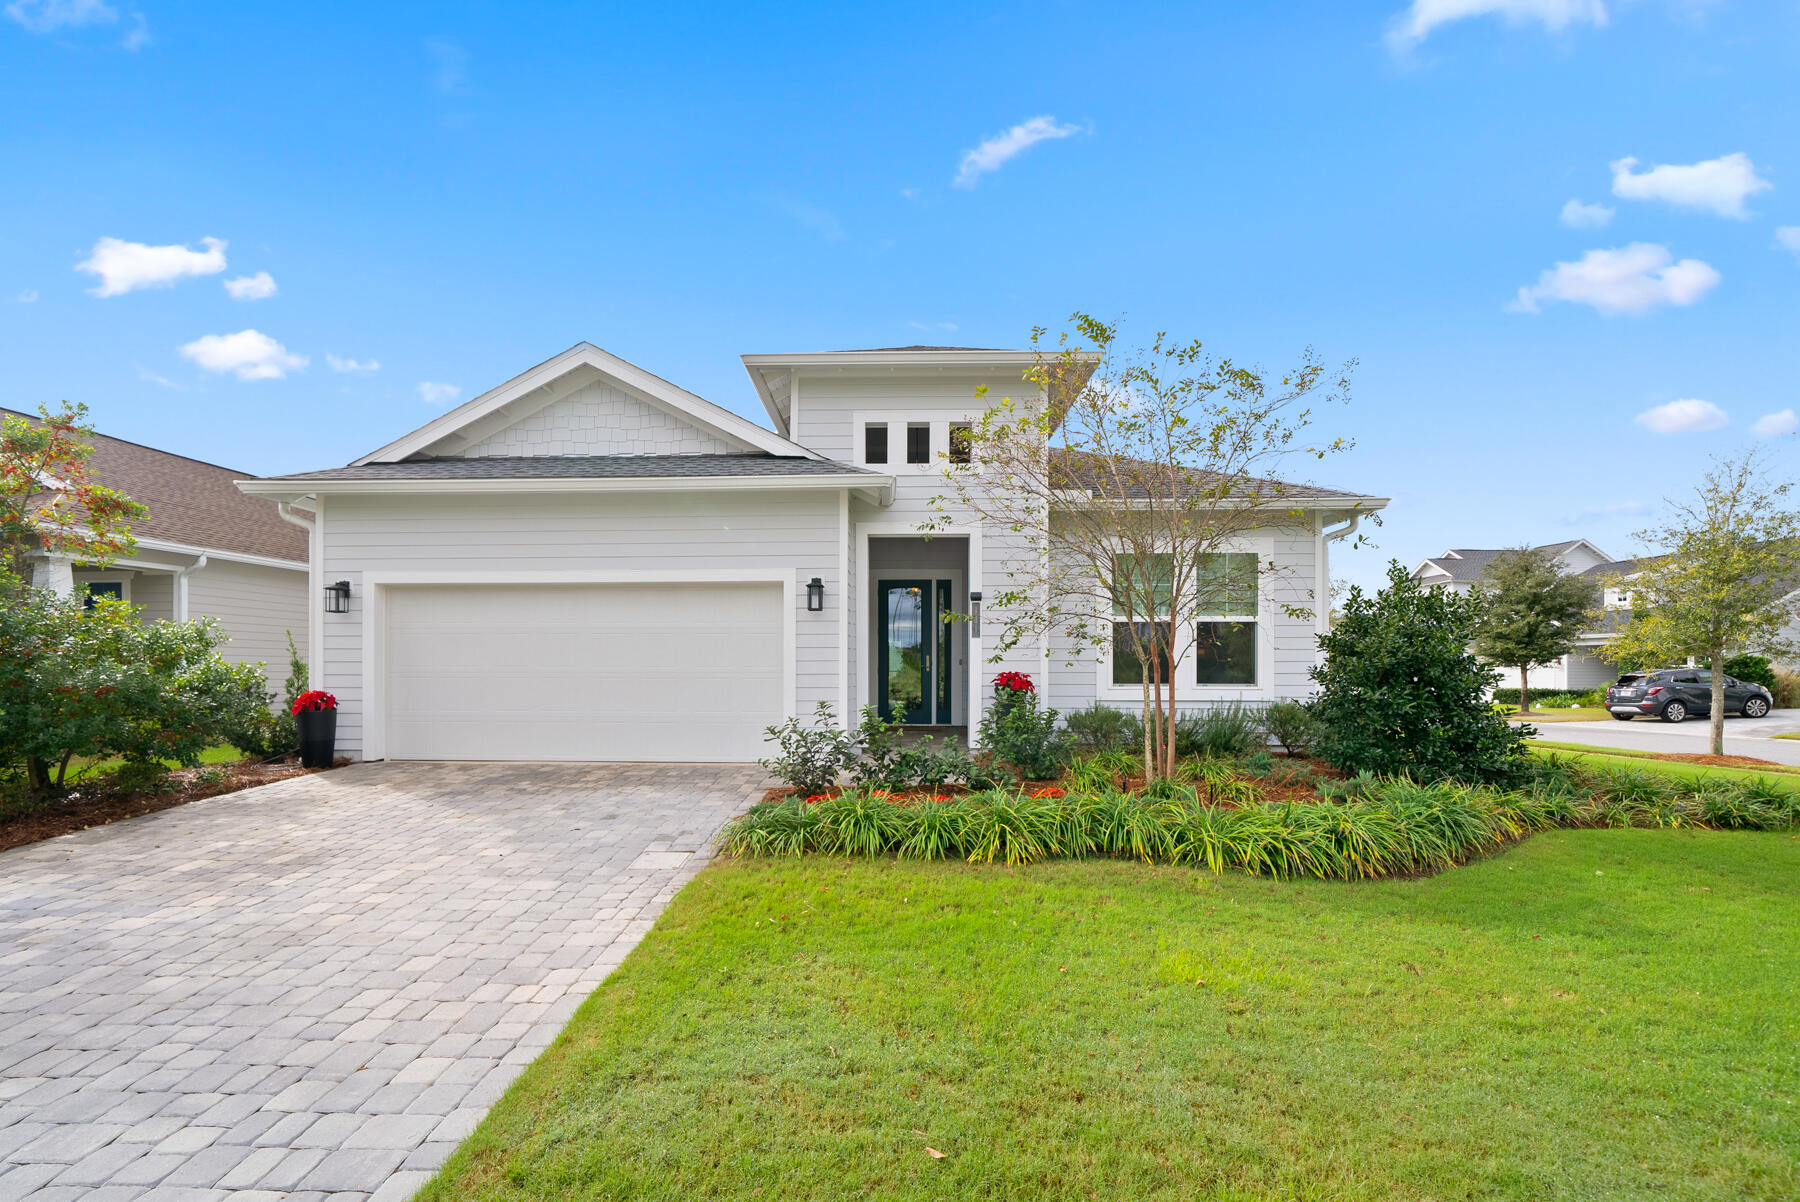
(54, 572)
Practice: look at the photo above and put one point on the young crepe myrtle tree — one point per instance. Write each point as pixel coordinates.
(1132, 476)
(1721, 587)
(1532, 613)
(50, 501)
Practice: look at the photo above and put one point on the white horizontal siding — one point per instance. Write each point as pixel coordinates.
(649, 532)
(258, 607)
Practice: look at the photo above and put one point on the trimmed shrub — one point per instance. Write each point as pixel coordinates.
(1400, 694)
(1100, 727)
(1752, 669)
(1292, 725)
(1225, 731)
(811, 759)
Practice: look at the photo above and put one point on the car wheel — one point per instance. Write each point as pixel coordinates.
(1756, 707)
(1675, 711)
(1623, 717)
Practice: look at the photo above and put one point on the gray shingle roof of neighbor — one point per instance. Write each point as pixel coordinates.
(584, 467)
(1471, 563)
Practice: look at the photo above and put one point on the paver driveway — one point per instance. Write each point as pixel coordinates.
(315, 988)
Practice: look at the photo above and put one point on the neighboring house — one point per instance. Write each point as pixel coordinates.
(590, 563)
(1462, 568)
(205, 550)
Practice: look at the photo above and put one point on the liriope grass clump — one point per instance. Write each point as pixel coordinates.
(1358, 830)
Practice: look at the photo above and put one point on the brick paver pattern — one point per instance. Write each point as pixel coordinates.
(315, 988)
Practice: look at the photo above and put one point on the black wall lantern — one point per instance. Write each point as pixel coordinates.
(815, 595)
(337, 597)
(975, 615)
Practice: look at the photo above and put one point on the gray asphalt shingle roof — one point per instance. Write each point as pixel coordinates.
(584, 467)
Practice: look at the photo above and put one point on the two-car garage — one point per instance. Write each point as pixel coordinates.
(660, 671)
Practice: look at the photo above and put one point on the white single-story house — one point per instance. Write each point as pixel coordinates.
(205, 550)
(1461, 569)
(590, 563)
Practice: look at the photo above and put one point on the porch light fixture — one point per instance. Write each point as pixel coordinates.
(337, 597)
(975, 615)
(815, 595)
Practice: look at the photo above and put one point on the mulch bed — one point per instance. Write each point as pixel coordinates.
(96, 804)
(1717, 761)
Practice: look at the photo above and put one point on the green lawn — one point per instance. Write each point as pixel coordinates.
(1648, 761)
(1594, 1014)
(83, 768)
(1586, 714)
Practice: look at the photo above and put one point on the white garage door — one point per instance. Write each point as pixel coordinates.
(655, 672)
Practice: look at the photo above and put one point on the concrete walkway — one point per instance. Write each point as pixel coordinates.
(315, 988)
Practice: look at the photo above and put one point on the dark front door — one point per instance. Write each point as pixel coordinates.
(906, 651)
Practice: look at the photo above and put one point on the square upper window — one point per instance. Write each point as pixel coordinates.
(918, 444)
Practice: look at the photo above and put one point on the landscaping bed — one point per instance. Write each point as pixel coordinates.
(103, 800)
(1595, 1014)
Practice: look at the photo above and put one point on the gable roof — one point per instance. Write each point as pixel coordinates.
(192, 503)
(556, 377)
(586, 467)
(1465, 565)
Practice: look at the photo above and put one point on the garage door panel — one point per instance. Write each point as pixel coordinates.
(584, 672)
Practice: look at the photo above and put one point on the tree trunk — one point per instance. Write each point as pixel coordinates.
(1524, 688)
(1149, 726)
(1156, 695)
(1169, 727)
(37, 776)
(1716, 720)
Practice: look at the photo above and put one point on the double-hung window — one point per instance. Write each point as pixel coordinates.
(1226, 604)
(1225, 629)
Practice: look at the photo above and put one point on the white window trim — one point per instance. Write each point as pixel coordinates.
(122, 579)
(896, 423)
(1186, 691)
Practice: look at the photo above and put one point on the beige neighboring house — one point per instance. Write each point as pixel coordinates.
(206, 550)
(1462, 568)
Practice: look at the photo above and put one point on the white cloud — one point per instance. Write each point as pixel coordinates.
(47, 16)
(150, 377)
(1683, 417)
(260, 286)
(909, 194)
(994, 153)
(1716, 185)
(451, 64)
(358, 367)
(138, 36)
(1578, 215)
(1787, 237)
(1774, 425)
(438, 394)
(252, 354)
(1626, 279)
(126, 266)
(27, 297)
(1413, 26)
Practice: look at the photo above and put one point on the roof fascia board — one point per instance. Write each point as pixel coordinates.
(287, 489)
(703, 412)
(1301, 504)
(261, 561)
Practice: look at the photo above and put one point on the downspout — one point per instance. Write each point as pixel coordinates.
(181, 588)
(1326, 538)
(314, 629)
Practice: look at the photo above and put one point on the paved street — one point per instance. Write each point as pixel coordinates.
(1743, 736)
(315, 988)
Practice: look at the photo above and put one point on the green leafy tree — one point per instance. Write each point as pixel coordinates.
(1532, 613)
(99, 683)
(1720, 586)
(1400, 692)
(1127, 480)
(1753, 669)
(50, 501)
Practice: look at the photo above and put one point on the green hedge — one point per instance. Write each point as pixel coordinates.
(1386, 828)
(1558, 699)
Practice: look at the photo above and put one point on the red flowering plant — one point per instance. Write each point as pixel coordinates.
(314, 699)
(1013, 682)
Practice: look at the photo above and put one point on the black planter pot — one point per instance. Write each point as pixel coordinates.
(318, 737)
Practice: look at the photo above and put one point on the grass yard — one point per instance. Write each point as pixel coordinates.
(1593, 1014)
(1650, 761)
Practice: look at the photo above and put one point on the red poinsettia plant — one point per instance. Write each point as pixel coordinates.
(314, 699)
(1014, 682)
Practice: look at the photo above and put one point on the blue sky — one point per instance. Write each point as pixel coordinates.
(445, 194)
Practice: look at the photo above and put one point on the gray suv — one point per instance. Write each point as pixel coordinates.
(1675, 694)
